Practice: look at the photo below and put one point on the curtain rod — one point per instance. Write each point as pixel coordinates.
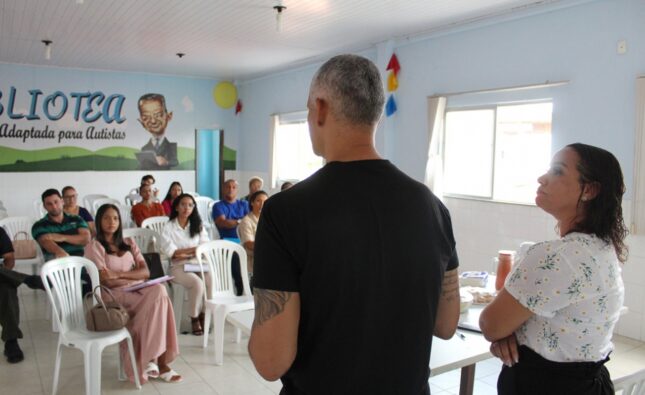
(546, 84)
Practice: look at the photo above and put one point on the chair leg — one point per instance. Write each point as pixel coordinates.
(238, 335)
(177, 304)
(56, 370)
(95, 369)
(207, 324)
(133, 361)
(218, 333)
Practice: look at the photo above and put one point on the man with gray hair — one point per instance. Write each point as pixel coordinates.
(355, 267)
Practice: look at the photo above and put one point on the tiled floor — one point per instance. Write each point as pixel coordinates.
(237, 375)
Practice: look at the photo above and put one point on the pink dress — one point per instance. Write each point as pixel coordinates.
(152, 322)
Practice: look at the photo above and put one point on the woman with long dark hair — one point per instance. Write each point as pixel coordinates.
(174, 191)
(152, 323)
(182, 235)
(552, 323)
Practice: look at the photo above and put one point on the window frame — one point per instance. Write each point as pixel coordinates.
(494, 107)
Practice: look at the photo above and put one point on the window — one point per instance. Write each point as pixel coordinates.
(293, 157)
(497, 152)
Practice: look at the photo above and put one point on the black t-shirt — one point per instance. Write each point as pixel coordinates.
(5, 243)
(366, 247)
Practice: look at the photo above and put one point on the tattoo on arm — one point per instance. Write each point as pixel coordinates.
(268, 304)
(450, 286)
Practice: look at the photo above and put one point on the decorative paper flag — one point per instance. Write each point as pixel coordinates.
(390, 107)
(238, 107)
(392, 82)
(394, 64)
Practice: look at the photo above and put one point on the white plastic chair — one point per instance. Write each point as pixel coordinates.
(88, 202)
(13, 225)
(221, 299)
(155, 223)
(145, 238)
(203, 202)
(64, 275)
(214, 233)
(131, 199)
(3, 211)
(39, 209)
(96, 203)
(633, 384)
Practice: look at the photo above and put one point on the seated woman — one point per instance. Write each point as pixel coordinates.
(70, 206)
(552, 322)
(152, 323)
(147, 207)
(180, 238)
(174, 191)
(249, 224)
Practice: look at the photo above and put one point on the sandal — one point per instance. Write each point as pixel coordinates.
(171, 377)
(201, 318)
(152, 370)
(197, 327)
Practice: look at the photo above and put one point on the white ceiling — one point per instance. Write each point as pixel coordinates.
(231, 39)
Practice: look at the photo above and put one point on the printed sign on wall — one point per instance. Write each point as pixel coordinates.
(125, 123)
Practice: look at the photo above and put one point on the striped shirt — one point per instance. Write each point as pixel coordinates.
(69, 226)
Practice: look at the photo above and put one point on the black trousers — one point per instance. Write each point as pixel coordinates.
(9, 306)
(534, 375)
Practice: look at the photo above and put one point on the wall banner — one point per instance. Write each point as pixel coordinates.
(51, 121)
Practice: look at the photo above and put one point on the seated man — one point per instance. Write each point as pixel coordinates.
(227, 214)
(58, 233)
(9, 306)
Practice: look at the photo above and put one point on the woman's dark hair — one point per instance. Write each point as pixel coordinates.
(604, 213)
(117, 238)
(195, 221)
(168, 196)
(255, 195)
(286, 185)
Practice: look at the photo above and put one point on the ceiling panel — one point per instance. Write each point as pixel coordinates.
(234, 39)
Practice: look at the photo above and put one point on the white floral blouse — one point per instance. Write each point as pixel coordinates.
(575, 290)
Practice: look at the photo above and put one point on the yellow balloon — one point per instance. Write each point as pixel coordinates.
(225, 94)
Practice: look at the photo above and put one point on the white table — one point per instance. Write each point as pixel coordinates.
(456, 353)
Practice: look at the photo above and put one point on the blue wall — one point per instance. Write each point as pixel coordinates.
(576, 44)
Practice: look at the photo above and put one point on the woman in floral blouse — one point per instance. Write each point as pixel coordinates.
(552, 322)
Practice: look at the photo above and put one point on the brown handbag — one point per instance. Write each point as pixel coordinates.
(105, 316)
(23, 249)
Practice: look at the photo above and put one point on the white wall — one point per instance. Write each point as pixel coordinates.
(576, 44)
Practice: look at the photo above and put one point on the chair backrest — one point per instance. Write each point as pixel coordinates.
(62, 280)
(96, 203)
(88, 201)
(14, 225)
(155, 223)
(39, 209)
(217, 256)
(144, 237)
(203, 203)
(633, 384)
(3, 211)
(132, 199)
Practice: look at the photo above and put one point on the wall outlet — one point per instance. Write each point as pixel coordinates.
(621, 47)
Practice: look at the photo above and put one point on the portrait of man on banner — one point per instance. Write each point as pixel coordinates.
(158, 153)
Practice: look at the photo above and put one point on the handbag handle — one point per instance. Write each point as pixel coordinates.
(100, 299)
(15, 237)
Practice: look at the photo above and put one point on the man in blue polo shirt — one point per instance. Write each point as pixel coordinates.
(227, 214)
(58, 233)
